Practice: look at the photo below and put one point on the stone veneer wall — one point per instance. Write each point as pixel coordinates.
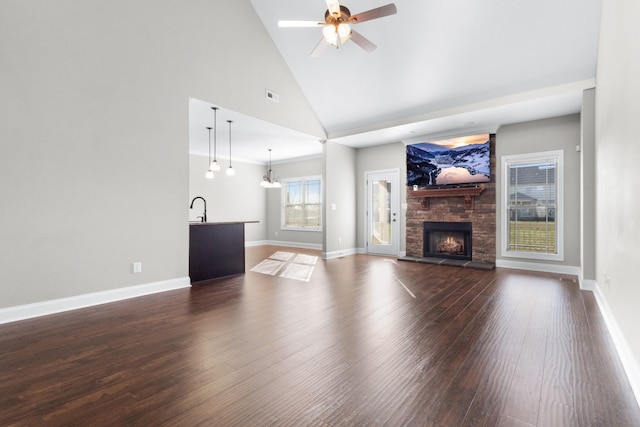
(483, 217)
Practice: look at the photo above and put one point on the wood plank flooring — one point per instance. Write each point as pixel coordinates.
(367, 341)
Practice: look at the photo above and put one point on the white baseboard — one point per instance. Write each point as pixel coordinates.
(255, 243)
(588, 285)
(340, 253)
(539, 266)
(291, 244)
(27, 311)
(629, 363)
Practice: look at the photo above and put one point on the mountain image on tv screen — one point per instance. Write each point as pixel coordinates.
(455, 161)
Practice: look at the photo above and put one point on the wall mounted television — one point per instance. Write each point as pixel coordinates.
(461, 161)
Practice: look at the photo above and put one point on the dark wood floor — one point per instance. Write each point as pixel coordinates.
(367, 341)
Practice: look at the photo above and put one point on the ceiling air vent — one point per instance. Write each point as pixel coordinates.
(272, 96)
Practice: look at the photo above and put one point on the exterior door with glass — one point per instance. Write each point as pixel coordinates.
(382, 213)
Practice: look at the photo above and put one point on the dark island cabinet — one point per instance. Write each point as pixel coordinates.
(215, 250)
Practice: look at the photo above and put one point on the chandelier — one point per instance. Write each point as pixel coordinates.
(269, 180)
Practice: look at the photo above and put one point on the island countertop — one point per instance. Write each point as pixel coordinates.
(221, 222)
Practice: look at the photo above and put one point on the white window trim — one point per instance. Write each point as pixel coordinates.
(533, 157)
(283, 199)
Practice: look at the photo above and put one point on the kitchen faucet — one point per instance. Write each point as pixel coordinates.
(204, 217)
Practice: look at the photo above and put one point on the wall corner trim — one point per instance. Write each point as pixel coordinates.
(28, 311)
(629, 363)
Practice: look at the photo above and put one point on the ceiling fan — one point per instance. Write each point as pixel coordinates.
(337, 25)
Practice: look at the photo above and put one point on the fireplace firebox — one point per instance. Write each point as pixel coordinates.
(451, 240)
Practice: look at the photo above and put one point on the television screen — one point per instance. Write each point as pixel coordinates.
(455, 161)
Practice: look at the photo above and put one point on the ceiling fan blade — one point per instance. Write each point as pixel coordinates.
(361, 41)
(320, 47)
(378, 12)
(300, 24)
(334, 7)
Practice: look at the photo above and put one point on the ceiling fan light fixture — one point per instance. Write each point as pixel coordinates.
(344, 31)
(336, 28)
(330, 34)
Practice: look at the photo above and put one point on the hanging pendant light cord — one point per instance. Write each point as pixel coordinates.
(209, 144)
(269, 173)
(230, 170)
(215, 132)
(229, 121)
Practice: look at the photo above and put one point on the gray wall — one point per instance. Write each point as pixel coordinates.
(617, 172)
(339, 171)
(561, 133)
(587, 188)
(284, 170)
(230, 198)
(94, 137)
(388, 156)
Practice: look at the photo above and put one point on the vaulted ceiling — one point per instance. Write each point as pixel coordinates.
(438, 58)
(440, 67)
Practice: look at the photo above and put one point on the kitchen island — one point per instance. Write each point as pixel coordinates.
(216, 249)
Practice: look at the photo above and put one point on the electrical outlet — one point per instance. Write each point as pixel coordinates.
(137, 267)
(276, 234)
(339, 240)
(607, 280)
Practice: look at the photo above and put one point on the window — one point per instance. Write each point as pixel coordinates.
(532, 206)
(302, 203)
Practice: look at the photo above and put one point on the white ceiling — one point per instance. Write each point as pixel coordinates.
(441, 67)
(250, 138)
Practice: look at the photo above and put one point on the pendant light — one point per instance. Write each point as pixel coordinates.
(215, 166)
(269, 180)
(230, 170)
(209, 174)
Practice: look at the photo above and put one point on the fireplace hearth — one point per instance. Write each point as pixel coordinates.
(449, 240)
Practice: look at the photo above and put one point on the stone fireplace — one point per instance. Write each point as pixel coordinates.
(477, 210)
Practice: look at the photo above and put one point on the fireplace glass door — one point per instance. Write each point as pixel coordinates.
(447, 243)
(452, 240)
